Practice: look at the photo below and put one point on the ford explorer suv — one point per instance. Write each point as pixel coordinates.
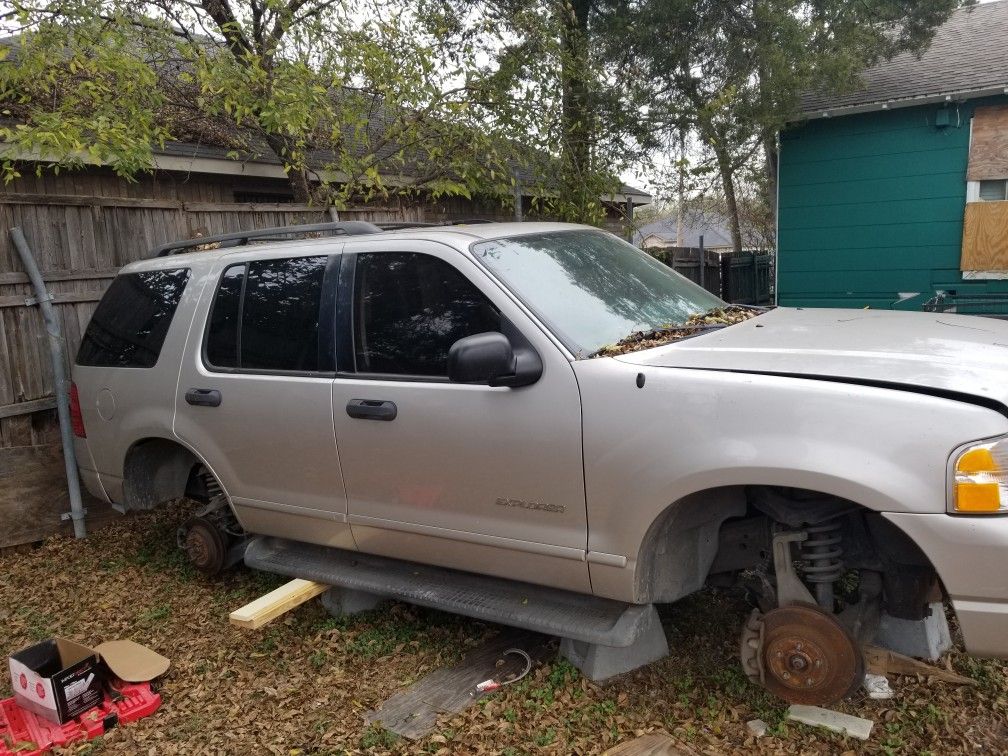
(541, 425)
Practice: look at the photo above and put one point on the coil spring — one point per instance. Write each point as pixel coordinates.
(821, 552)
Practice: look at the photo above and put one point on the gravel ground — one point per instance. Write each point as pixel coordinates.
(303, 683)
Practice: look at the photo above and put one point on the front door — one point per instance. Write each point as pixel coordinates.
(255, 391)
(482, 479)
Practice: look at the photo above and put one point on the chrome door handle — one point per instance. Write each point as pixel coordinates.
(372, 409)
(203, 397)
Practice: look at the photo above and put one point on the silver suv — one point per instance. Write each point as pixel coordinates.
(423, 413)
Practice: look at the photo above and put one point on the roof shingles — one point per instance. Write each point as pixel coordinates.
(969, 53)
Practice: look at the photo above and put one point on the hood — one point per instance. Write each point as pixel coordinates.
(933, 353)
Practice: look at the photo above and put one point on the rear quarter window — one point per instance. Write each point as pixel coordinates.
(129, 326)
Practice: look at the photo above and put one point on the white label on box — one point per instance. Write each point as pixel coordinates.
(30, 686)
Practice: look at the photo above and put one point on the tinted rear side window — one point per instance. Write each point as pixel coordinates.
(129, 326)
(266, 316)
(222, 340)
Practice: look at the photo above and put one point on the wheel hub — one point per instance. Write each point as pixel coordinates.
(808, 657)
(205, 545)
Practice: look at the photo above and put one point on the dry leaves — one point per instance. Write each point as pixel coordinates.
(695, 325)
(302, 684)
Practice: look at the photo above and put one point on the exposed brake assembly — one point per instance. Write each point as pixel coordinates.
(212, 538)
(800, 651)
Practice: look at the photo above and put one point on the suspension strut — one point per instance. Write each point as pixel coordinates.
(821, 553)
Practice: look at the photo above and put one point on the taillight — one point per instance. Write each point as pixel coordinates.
(76, 418)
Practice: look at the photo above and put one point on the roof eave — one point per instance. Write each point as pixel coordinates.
(958, 95)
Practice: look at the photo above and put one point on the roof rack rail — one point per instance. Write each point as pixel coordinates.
(399, 225)
(278, 233)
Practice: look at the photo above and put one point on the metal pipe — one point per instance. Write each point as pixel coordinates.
(60, 385)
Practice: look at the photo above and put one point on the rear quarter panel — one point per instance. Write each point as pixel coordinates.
(143, 398)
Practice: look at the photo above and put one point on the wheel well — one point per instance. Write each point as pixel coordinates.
(157, 470)
(681, 544)
(868, 541)
(728, 529)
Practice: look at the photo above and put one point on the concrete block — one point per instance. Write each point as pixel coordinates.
(602, 662)
(343, 602)
(928, 638)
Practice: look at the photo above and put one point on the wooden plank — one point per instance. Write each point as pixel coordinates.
(61, 275)
(26, 408)
(413, 712)
(273, 604)
(985, 236)
(18, 300)
(988, 153)
(86, 201)
(652, 744)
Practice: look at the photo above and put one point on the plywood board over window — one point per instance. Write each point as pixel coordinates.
(985, 240)
(985, 226)
(988, 156)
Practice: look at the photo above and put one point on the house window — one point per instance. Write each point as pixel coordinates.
(993, 190)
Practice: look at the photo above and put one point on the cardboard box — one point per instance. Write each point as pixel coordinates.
(57, 679)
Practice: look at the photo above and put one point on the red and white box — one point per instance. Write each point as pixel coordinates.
(57, 679)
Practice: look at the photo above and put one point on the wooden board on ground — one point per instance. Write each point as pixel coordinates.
(653, 744)
(273, 604)
(33, 495)
(413, 712)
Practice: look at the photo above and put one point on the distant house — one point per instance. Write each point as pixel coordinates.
(671, 233)
(893, 194)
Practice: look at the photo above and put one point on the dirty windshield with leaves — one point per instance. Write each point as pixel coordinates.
(602, 296)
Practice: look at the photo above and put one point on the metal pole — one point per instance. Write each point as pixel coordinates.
(629, 219)
(703, 262)
(60, 385)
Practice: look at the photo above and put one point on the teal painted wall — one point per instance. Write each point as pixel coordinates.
(872, 205)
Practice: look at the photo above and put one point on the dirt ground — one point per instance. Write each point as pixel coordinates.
(303, 683)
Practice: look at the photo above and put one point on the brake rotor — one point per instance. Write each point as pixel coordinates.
(205, 545)
(807, 657)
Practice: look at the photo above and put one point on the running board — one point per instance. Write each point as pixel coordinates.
(575, 616)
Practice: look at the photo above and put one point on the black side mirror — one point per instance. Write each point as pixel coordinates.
(489, 358)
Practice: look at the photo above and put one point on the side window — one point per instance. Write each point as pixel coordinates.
(265, 315)
(409, 309)
(130, 324)
(222, 339)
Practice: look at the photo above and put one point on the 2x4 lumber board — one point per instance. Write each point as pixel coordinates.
(60, 275)
(88, 201)
(16, 300)
(26, 408)
(652, 744)
(267, 608)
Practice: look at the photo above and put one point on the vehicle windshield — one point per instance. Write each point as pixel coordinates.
(592, 288)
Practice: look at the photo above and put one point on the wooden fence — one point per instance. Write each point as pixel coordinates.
(739, 278)
(80, 243)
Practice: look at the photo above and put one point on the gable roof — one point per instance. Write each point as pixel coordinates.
(968, 57)
(714, 229)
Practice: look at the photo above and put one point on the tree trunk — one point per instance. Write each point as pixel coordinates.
(771, 154)
(731, 203)
(299, 181)
(575, 113)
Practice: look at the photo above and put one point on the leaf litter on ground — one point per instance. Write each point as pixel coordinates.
(304, 683)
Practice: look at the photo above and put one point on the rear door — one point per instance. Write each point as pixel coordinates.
(485, 479)
(254, 393)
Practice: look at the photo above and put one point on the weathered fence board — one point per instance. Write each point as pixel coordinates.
(81, 240)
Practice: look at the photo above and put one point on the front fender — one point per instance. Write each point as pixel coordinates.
(690, 431)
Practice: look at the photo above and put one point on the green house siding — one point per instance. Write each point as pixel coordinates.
(871, 206)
